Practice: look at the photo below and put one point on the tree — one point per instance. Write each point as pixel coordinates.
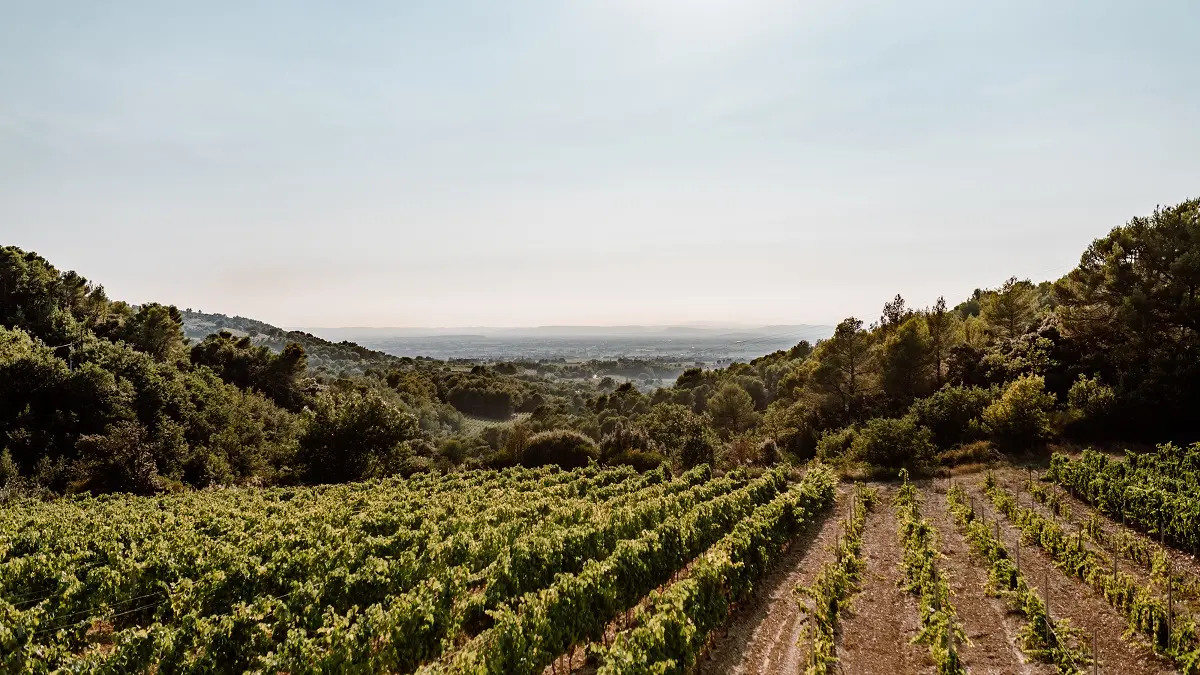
(893, 443)
(894, 313)
(842, 364)
(156, 330)
(353, 435)
(938, 321)
(732, 410)
(681, 433)
(905, 361)
(1010, 309)
(1131, 310)
(953, 413)
(624, 439)
(240, 362)
(120, 459)
(794, 427)
(9, 471)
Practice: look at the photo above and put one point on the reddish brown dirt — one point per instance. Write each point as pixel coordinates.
(877, 631)
(1074, 600)
(990, 627)
(762, 637)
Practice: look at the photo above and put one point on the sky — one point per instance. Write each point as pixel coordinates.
(516, 163)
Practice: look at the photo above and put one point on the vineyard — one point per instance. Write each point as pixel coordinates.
(500, 571)
(1084, 567)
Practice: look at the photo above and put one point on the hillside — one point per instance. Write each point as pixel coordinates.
(341, 358)
(1110, 352)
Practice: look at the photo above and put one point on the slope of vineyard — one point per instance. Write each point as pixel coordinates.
(527, 570)
(378, 577)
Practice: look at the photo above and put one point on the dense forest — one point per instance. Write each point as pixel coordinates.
(98, 395)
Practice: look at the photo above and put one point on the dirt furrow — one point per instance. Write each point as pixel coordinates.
(992, 630)
(1073, 599)
(877, 631)
(762, 637)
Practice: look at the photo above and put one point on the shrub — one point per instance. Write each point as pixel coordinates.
(120, 459)
(454, 449)
(949, 413)
(350, 436)
(834, 444)
(1089, 398)
(893, 443)
(623, 439)
(564, 447)
(794, 428)
(768, 452)
(9, 471)
(642, 460)
(1022, 413)
(732, 410)
(740, 451)
(680, 433)
(976, 452)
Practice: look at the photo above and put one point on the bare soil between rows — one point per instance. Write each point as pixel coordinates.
(1070, 598)
(878, 629)
(991, 628)
(762, 637)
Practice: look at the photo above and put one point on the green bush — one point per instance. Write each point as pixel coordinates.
(642, 460)
(1022, 413)
(1089, 398)
(952, 413)
(893, 443)
(794, 428)
(834, 444)
(353, 435)
(564, 447)
(680, 433)
(623, 439)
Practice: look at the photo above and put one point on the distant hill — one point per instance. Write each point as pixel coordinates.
(335, 358)
(731, 332)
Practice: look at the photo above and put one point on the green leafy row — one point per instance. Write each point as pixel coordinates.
(1137, 491)
(1147, 613)
(835, 582)
(184, 623)
(529, 635)
(675, 626)
(940, 628)
(170, 575)
(1041, 637)
(1132, 547)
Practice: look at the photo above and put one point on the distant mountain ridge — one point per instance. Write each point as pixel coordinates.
(732, 332)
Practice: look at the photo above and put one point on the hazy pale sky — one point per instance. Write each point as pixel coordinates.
(456, 163)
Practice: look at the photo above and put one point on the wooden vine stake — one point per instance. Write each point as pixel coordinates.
(1170, 600)
(1114, 558)
(1095, 651)
(1046, 598)
(812, 640)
